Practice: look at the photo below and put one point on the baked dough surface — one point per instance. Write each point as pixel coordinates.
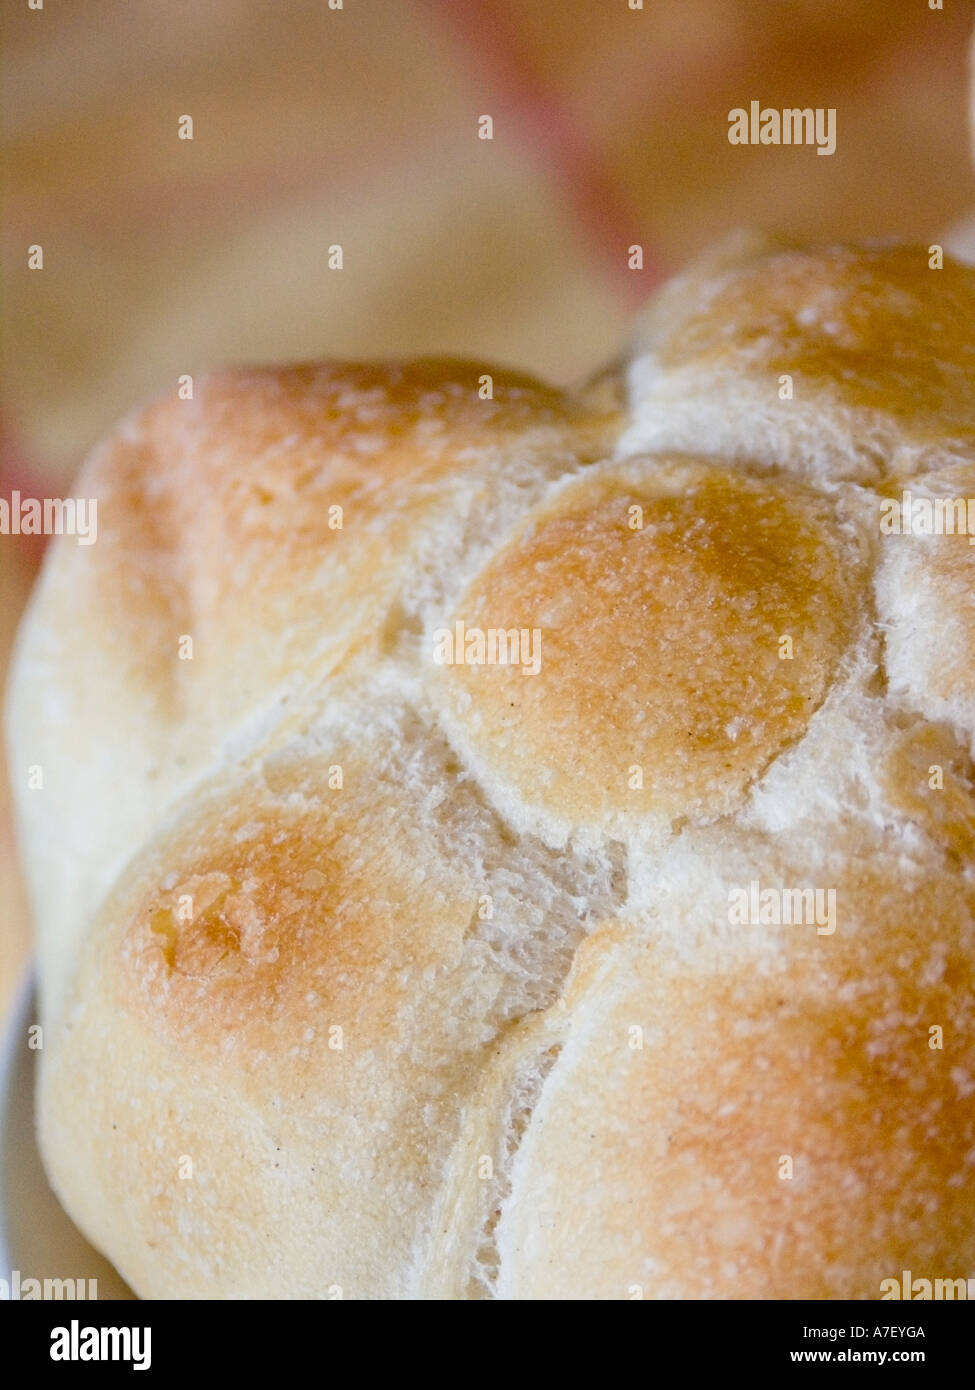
(367, 971)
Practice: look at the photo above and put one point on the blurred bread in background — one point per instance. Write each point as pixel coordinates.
(960, 237)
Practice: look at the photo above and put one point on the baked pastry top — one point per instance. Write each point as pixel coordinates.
(374, 967)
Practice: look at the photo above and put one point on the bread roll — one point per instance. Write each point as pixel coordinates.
(372, 967)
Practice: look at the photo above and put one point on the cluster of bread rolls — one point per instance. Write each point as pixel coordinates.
(370, 973)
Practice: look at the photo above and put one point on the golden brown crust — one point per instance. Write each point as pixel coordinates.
(771, 1128)
(690, 620)
(840, 362)
(280, 948)
(880, 324)
(291, 481)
